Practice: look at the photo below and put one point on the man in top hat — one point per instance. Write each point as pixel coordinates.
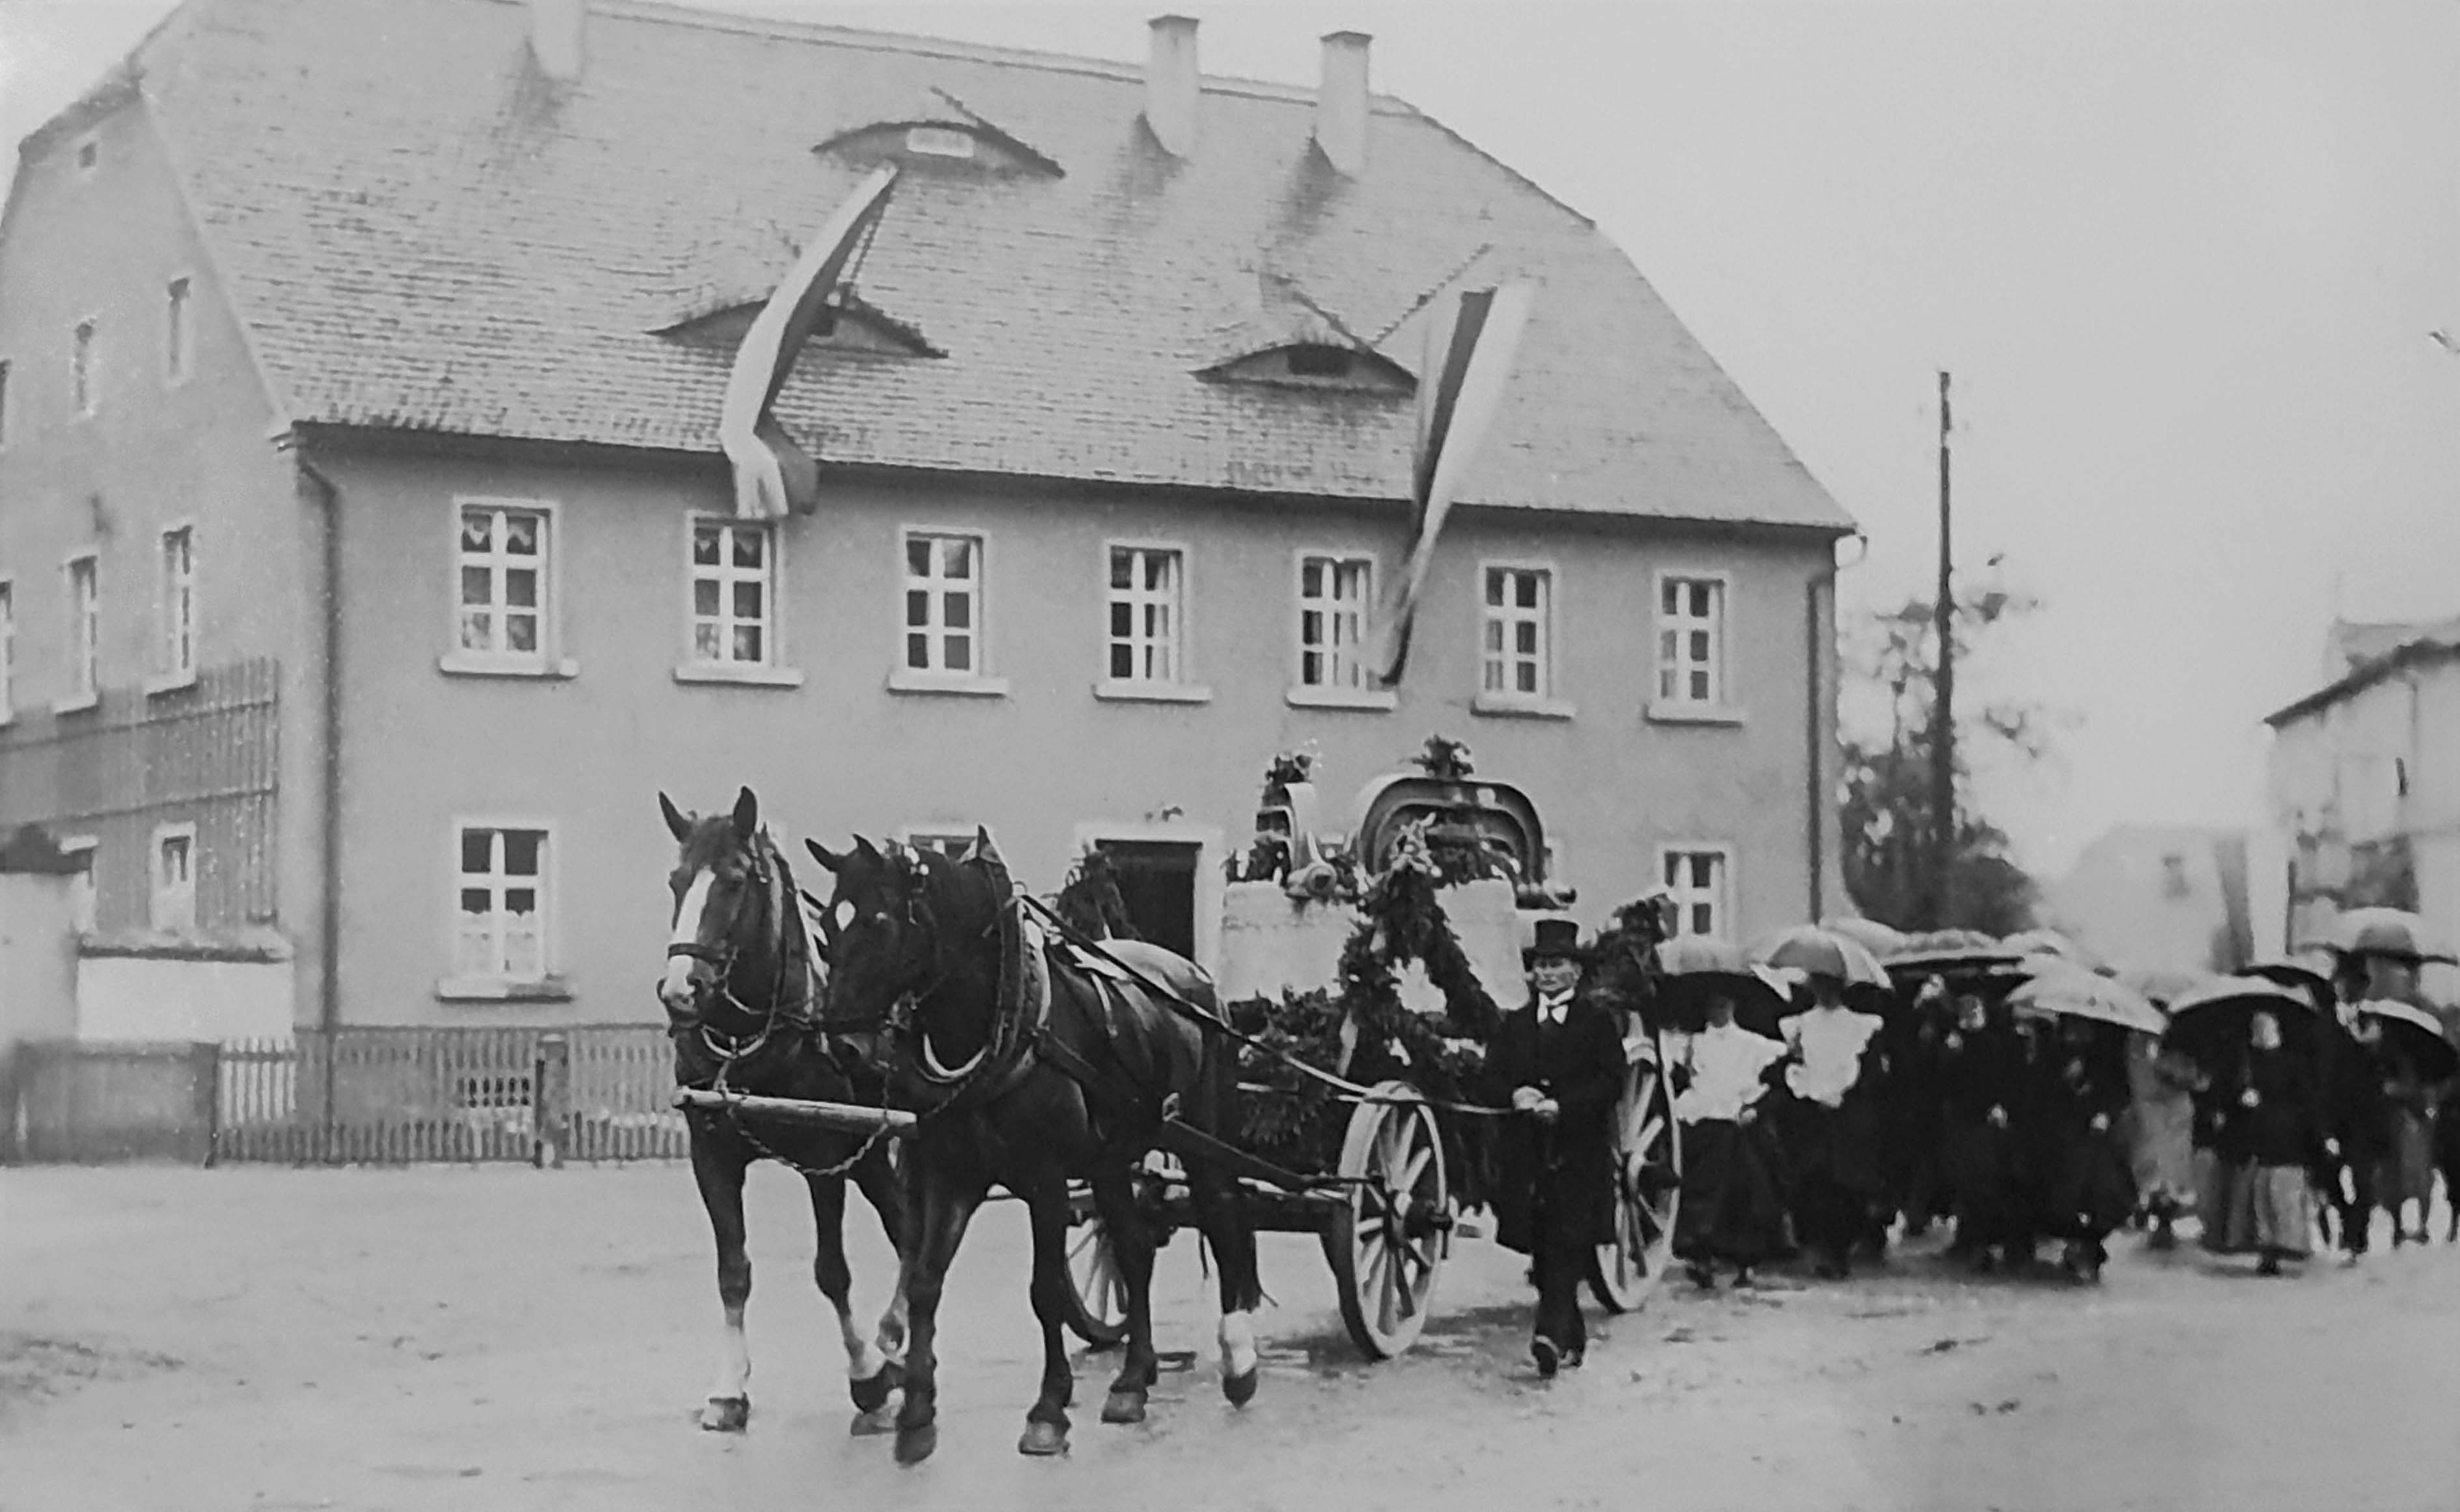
(1559, 1066)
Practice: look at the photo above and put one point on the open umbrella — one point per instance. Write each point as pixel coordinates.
(2163, 984)
(1872, 936)
(1692, 968)
(2047, 942)
(1815, 952)
(2069, 991)
(2387, 932)
(2209, 1019)
(1939, 954)
(2418, 1034)
(2305, 972)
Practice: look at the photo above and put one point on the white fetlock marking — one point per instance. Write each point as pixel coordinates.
(863, 1358)
(1237, 1343)
(891, 1336)
(733, 1361)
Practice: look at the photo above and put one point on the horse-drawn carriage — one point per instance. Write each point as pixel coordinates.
(1332, 1088)
(1380, 1151)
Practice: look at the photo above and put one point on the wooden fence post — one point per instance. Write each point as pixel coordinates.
(205, 1087)
(551, 1117)
(11, 1076)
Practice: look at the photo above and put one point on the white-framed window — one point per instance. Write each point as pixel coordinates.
(178, 602)
(943, 604)
(502, 585)
(1146, 616)
(1691, 639)
(1701, 879)
(85, 627)
(499, 931)
(734, 593)
(85, 850)
(84, 389)
(1518, 651)
(1334, 593)
(940, 142)
(174, 877)
(8, 650)
(178, 329)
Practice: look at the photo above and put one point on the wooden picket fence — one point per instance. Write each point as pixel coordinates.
(358, 1096)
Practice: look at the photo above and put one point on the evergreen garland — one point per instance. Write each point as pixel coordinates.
(1293, 1118)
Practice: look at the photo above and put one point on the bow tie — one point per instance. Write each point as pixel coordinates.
(1552, 1010)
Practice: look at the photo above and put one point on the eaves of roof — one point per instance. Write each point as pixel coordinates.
(2422, 653)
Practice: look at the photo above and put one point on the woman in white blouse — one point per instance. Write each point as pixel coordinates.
(1729, 1211)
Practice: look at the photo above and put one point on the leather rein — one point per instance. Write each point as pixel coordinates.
(788, 948)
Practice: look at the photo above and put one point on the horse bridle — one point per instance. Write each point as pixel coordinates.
(767, 868)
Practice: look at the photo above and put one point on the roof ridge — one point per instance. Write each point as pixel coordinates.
(675, 13)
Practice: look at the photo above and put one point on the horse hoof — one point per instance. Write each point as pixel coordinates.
(874, 1422)
(914, 1446)
(1124, 1407)
(1043, 1439)
(726, 1414)
(872, 1394)
(1239, 1389)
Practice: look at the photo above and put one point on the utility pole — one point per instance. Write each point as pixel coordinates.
(1943, 700)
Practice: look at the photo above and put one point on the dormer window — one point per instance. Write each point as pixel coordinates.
(940, 142)
(1318, 364)
(936, 131)
(847, 323)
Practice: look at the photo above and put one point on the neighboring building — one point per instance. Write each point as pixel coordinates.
(2366, 782)
(366, 569)
(2165, 898)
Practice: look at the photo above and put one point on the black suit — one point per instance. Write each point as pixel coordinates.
(1555, 1200)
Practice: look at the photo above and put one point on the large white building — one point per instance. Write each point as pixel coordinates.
(2365, 784)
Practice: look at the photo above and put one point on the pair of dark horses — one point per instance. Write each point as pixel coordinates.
(901, 1002)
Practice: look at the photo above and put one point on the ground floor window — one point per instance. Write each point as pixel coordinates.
(499, 930)
(1697, 876)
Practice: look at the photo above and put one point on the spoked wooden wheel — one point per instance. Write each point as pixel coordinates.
(1648, 1183)
(1097, 1295)
(1389, 1240)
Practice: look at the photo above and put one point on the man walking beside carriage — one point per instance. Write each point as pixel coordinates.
(1559, 1067)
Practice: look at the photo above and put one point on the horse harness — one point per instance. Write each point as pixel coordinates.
(769, 872)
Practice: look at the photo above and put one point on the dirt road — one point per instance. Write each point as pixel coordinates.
(506, 1338)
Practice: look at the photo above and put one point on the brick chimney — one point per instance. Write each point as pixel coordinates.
(1341, 102)
(556, 30)
(1172, 85)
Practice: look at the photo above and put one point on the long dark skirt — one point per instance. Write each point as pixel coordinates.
(1730, 1210)
(1978, 1163)
(2091, 1190)
(1832, 1159)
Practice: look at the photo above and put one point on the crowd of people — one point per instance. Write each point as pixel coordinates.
(1822, 1119)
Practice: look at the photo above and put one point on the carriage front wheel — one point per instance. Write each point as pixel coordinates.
(1388, 1240)
(1648, 1183)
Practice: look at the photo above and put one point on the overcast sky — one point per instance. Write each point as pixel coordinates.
(2182, 261)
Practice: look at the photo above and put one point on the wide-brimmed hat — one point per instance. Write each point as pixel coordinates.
(1557, 939)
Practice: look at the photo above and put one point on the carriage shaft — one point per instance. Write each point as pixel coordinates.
(853, 1116)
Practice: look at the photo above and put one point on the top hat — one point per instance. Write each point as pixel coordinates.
(1557, 939)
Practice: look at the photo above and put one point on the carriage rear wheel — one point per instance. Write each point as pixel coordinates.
(1388, 1239)
(1648, 1183)
(1097, 1294)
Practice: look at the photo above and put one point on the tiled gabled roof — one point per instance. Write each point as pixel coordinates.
(422, 233)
